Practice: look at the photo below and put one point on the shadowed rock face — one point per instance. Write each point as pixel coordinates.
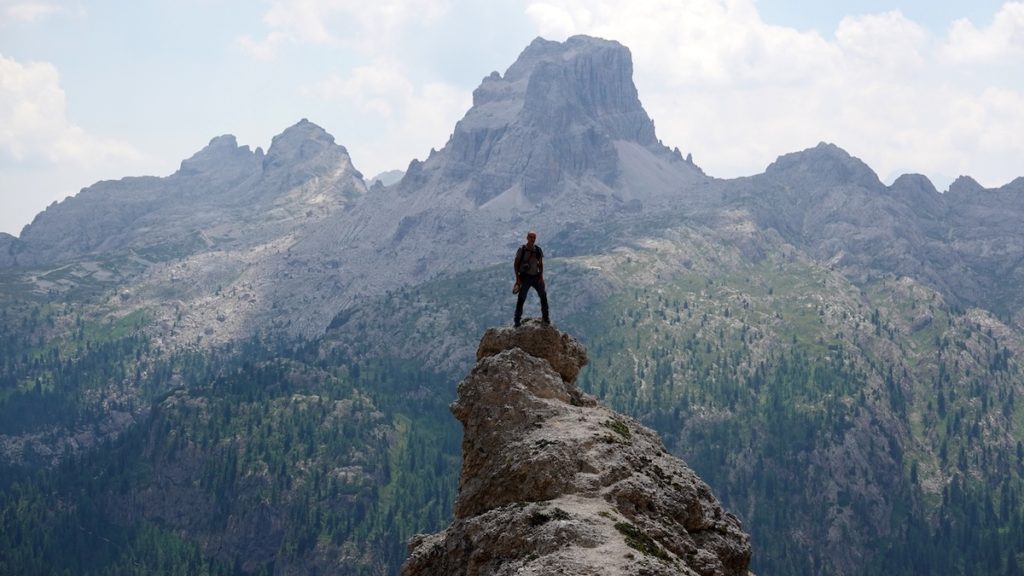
(553, 483)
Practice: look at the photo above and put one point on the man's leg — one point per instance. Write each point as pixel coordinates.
(543, 293)
(520, 300)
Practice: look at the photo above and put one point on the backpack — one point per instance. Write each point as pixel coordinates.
(529, 260)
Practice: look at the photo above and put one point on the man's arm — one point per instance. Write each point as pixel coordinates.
(516, 260)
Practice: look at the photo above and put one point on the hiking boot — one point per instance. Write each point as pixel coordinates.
(516, 324)
(546, 320)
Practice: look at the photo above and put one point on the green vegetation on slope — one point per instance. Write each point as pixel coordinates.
(261, 459)
(854, 429)
(829, 418)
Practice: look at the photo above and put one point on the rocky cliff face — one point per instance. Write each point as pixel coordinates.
(223, 197)
(8, 249)
(830, 204)
(557, 143)
(553, 483)
(205, 251)
(563, 115)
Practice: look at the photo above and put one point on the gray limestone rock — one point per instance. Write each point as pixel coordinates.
(563, 352)
(224, 196)
(556, 117)
(825, 164)
(553, 483)
(8, 249)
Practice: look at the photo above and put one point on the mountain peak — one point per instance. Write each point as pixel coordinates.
(583, 78)
(915, 181)
(965, 185)
(302, 134)
(306, 148)
(563, 113)
(221, 151)
(918, 191)
(302, 130)
(553, 483)
(826, 164)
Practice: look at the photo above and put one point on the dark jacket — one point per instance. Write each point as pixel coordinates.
(529, 261)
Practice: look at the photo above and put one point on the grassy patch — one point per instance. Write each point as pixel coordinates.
(618, 426)
(641, 542)
(540, 517)
(116, 328)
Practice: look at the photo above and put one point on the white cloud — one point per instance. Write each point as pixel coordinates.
(692, 42)
(378, 89)
(1003, 39)
(559, 20)
(889, 40)
(408, 118)
(399, 118)
(737, 92)
(21, 11)
(366, 26)
(44, 156)
(34, 125)
(986, 133)
(262, 49)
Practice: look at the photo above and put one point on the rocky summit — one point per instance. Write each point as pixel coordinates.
(554, 483)
(564, 115)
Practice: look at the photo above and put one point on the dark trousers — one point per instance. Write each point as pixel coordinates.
(527, 281)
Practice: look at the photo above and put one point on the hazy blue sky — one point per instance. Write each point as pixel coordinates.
(101, 89)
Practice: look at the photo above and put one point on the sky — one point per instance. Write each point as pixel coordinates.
(94, 90)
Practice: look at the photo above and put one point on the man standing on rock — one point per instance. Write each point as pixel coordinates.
(529, 266)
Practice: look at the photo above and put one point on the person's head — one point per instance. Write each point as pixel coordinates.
(531, 237)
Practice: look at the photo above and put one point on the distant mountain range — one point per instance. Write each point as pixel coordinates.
(560, 143)
(838, 358)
